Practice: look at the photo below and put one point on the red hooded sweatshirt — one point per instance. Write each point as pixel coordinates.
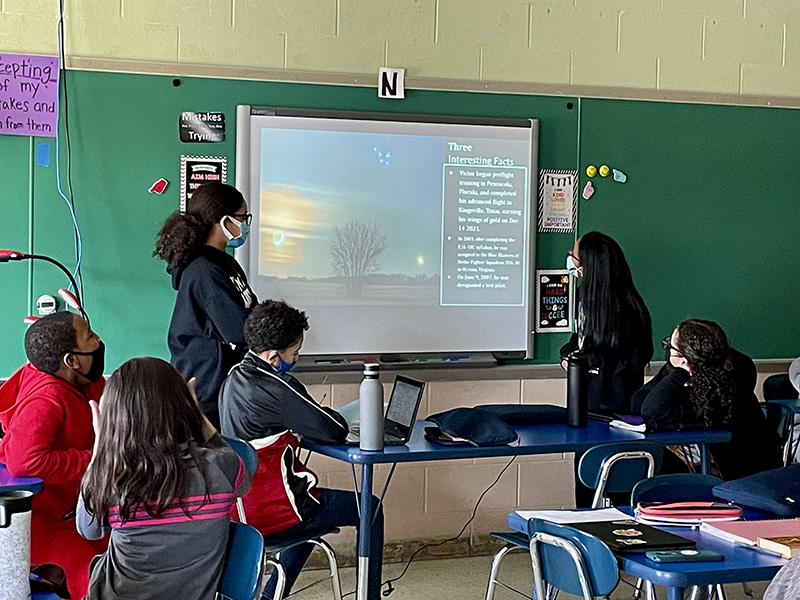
(48, 434)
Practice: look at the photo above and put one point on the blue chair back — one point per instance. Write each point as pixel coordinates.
(675, 487)
(245, 451)
(778, 387)
(628, 462)
(244, 564)
(587, 570)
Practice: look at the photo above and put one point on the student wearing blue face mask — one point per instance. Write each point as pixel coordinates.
(205, 335)
(262, 403)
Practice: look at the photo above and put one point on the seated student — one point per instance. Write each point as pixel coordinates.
(786, 584)
(163, 482)
(708, 384)
(44, 410)
(794, 373)
(261, 403)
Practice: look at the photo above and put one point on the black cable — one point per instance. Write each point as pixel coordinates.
(388, 583)
(63, 81)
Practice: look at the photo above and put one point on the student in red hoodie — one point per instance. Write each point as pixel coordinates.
(47, 420)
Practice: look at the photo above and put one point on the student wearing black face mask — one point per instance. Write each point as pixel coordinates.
(45, 413)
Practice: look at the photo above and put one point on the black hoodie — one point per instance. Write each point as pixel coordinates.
(206, 337)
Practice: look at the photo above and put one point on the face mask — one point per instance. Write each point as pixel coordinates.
(573, 270)
(98, 355)
(234, 241)
(283, 366)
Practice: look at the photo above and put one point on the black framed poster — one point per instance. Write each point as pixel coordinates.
(554, 301)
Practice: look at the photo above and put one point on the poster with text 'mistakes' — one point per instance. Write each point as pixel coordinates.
(28, 95)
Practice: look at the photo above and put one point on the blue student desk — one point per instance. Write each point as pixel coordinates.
(533, 439)
(741, 563)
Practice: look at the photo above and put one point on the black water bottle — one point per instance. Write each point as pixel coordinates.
(577, 389)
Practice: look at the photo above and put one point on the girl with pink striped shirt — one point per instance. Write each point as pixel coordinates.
(163, 482)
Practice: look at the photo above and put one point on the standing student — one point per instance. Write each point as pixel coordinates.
(45, 413)
(163, 482)
(262, 403)
(205, 334)
(614, 330)
(708, 384)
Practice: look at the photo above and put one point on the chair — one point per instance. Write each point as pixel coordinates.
(617, 468)
(243, 573)
(778, 387)
(570, 560)
(274, 546)
(608, 468)
(781, 418)
(675, 487)
(681, 487)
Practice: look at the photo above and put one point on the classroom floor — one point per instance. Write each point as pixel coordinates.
(466, 578)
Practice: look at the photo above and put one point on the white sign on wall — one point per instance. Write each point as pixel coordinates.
(391, 83)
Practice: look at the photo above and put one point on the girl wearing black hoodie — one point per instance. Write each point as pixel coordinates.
(205, 335)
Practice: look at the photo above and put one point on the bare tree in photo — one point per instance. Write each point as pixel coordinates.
(355, 248)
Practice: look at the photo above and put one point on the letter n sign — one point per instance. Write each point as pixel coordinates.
(390, 83)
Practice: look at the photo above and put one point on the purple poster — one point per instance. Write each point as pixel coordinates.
(28, 95)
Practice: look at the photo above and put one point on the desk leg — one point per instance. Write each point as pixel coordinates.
(364, 531)
(675, 593)
(705, 459)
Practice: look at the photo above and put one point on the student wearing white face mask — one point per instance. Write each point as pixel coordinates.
(206, 332)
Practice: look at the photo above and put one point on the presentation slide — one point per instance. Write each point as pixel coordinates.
(404, 221)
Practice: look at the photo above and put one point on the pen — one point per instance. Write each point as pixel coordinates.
(758, 549)
(322, 401)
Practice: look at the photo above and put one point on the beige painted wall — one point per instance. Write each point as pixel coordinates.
(749, 47)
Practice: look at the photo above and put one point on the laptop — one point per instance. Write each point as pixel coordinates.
(400, 413)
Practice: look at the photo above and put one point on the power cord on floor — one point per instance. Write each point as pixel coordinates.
(388, 583)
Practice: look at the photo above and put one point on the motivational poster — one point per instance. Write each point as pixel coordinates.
(197, 170)
(553, 301)
(28, 95)
(202, 127)
(558, 193)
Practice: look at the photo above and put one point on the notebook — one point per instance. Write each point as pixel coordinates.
(628, 536)
(748, 532)
(401, 412)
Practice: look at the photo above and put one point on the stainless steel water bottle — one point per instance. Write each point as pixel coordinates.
(577, 389)
(370, 409)
(15, 544)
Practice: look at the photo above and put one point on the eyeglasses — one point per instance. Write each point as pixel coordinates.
(246, 218)
(666, 344)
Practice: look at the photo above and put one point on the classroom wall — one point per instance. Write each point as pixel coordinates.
(738, 47)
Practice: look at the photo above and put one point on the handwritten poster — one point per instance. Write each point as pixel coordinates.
(553, 301)
(197, 170)
(558, 193)
(28, 95)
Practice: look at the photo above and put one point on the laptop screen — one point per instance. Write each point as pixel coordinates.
(403, 405)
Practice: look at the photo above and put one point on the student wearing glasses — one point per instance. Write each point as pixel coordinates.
(614, 329)
(205, 335)
(707, 384)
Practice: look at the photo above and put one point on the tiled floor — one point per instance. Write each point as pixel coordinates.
(466, 578)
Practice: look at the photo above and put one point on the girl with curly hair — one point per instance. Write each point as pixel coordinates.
(707, 384)
(205, 335)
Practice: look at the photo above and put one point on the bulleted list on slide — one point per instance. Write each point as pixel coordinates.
(484, 216)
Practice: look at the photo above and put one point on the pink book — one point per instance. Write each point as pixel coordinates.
(748, 532)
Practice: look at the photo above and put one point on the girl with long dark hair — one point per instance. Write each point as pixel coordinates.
(163, 482)
(205, 334)
(707, 384)
(614, 330)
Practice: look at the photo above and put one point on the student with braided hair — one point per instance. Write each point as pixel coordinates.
(707, 384)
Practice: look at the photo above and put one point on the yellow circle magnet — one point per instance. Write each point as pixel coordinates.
(604, 170)
(591, 171)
